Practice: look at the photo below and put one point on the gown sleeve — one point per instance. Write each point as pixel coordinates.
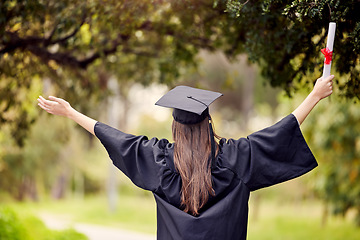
(135, 156)
(273, 155)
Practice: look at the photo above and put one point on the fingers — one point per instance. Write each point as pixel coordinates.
(329, 84)
(47, 105)
(329, 78)
(45, 102)
(42, 102)
(44, 107)
(324, 87)
(52, 102)
(327, 81)
(54, 105)
(59, 100)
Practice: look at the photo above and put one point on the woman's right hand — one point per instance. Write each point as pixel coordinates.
(56, 106)
(323, 87)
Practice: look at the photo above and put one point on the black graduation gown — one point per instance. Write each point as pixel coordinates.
(267, 157)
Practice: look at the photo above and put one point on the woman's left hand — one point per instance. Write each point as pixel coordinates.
(323, 87)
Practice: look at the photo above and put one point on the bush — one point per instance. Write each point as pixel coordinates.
(16, 227)
(10, 227)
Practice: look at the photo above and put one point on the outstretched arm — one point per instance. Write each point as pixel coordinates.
(322, 89)
(60, 107)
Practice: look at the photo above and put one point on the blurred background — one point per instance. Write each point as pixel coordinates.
(112, 60)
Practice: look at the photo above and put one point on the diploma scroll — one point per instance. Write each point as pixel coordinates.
(328, 51)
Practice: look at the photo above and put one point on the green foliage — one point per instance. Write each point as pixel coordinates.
(77, 47)
(55, 160)
(333, 136)
(14, 227)
(72, 49)
(285, 37)
(241, 83)
(36, 162)
(10, 227)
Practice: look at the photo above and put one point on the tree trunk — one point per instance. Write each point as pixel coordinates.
(248, 93)
(255, 206)
(22, 189)
(113, 120)
(58, 190)
(32, 189)
(325, 215)
(117, 117)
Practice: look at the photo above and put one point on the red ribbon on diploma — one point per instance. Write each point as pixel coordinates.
(328, 55)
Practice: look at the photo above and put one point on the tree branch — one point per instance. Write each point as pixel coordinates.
(38, 46)
(66, 59)
(115, 43)
(16, 42)
(61, 58)
(144, 54)
(48, 41)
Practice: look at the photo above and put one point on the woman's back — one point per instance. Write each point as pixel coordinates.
(267, 157)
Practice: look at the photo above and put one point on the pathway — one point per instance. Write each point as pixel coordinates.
(92, 231)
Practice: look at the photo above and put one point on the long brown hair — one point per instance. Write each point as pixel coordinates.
(192, 160)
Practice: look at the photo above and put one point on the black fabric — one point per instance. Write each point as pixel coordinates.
(267, 157)
(186, 117)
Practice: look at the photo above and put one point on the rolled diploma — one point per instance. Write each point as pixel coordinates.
(330, 45)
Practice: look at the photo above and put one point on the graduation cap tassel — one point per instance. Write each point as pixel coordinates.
(212, 140)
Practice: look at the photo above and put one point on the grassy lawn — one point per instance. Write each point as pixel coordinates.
(298, 221)
(137, 213)
(274, 220)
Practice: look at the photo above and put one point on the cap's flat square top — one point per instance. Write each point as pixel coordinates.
(189, 99)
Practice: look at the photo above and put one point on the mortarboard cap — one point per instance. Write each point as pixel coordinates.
(190, 104)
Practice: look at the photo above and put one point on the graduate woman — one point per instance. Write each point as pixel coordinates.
(201, 186)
